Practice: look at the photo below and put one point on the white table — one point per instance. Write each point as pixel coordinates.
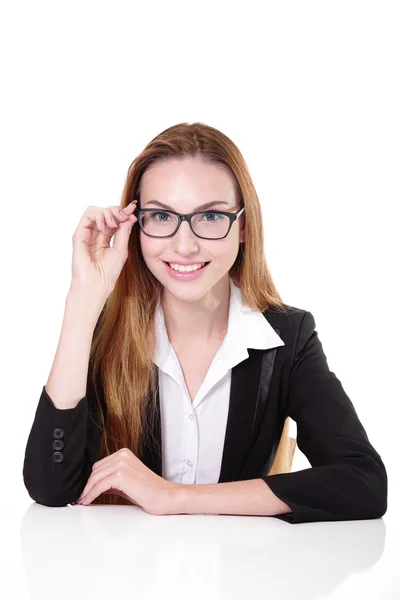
(95, 552)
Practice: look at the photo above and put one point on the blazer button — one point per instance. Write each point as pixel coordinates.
(58, 457)
(58, 433)
(58, 444)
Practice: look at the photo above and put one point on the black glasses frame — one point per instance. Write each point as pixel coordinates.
(188, 218)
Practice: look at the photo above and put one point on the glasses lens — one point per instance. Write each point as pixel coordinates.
(158, 223)
(208, 225)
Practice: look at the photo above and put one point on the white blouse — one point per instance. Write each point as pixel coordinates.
(193, 434)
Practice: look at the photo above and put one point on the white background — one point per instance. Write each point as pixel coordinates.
(310, 93)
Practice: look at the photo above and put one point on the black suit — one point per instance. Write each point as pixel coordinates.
(347, 479)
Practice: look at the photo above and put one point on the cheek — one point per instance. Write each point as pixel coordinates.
(223, 250)
(151, 247)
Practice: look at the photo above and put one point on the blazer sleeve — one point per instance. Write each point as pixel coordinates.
(61, 448)
(347, 479)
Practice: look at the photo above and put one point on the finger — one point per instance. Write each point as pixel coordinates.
(112, 465)
(103, 461)
(130, 208)
(100, 487)
(118, 214)
(89, 494)
(95, 477)
(101, 227)
(110, 219)
(125, 452)
(122, 214)
(115, 463)
(87, 225)
(122, 234)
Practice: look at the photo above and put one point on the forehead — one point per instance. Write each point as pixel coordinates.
(188, 179)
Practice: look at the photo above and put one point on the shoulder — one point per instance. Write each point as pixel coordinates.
(293, 324)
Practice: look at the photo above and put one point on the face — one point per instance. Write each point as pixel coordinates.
(184, 185)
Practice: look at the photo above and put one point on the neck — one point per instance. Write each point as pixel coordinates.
(200, 321)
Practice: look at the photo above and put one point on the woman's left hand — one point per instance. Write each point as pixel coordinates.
(124, 474)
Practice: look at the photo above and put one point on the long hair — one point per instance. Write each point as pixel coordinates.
(124, 341)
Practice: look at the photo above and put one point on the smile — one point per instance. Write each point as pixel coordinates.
(188, 272)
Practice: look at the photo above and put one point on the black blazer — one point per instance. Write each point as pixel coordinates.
(347, 480)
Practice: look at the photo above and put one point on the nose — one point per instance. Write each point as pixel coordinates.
(184, 241)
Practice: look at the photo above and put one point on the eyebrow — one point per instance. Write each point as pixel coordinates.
(201, 207)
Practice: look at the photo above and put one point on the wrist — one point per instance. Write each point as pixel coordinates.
(90, 293)
(83, 307)
(90, 298)
(176, 499)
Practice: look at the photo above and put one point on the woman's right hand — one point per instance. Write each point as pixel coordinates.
(94, 262)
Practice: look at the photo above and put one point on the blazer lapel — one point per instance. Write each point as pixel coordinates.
(242, 408)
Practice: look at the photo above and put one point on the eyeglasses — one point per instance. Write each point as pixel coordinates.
(208, 225)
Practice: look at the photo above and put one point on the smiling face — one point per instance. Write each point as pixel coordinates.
(185, 185)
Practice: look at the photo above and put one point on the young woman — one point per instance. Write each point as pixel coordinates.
(178, 363)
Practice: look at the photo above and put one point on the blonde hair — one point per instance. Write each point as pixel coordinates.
(124, 342)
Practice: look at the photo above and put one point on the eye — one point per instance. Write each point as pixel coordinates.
(158, 213)
(213, 214)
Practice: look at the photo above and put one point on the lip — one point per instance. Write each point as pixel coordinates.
(186, 276)
(186, 264)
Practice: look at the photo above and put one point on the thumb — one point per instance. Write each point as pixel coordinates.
(121, 236)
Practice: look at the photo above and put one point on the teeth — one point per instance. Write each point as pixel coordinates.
(186, 268)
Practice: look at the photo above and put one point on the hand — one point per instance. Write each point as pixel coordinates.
(94, 261)
(124, 474)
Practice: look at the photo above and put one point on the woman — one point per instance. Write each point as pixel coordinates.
(172, 385)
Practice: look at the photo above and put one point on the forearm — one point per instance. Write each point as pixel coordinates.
(66, 384)
(249, 497)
